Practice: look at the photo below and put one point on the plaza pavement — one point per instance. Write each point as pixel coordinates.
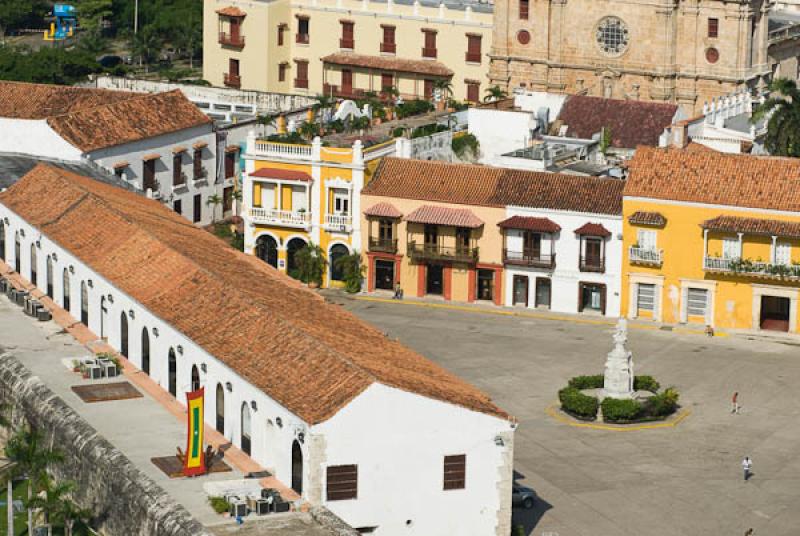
(680, 481)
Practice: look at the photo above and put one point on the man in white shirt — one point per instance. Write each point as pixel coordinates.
(747, 465)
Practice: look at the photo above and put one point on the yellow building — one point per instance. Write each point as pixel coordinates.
(295, 194)
(346, 47)
(712, 239)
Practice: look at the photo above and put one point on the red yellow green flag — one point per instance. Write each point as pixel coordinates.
(195, 463)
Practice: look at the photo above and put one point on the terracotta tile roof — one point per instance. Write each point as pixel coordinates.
(542, 225)
(281, 174)
(146, 116)
(20, 100)
(383, 210)
(715, 178)
(453, 217)
(231, 11)
(640, 217)
(229, 303)
(753, 226)
(631, 122)
(592, 229)
(694, 147)
(467, 184)
(389, 63)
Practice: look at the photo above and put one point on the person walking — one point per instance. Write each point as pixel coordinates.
(747, 465)
(735, 403)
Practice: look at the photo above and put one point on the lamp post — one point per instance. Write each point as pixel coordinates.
(136, 17)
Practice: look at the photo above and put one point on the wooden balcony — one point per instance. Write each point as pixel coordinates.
(529, 258)
(592, 264)
(344, 93)
(436, 252)
(231, 40)
(383, 245)
(232, 80)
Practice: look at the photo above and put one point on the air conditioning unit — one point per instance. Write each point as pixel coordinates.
(238, 508)
(282, 507)
(44, 315)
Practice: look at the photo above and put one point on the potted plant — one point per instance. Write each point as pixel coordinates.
(311, 264)
(76, 365)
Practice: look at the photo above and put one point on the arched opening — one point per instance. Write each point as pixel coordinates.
(245, 442)
(337, 252)
(65, 290)
(172, 365)
(50, 276)
(17, 253)
(103, 316)
(267, 250)
(195, 378)
(297, 467)
(34, 276)
(84, 304)
(292, 247)
(220, 424)
(145, 351)
(2, 241)
(123, 334)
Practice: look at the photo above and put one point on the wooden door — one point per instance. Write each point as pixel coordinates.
(347, 81)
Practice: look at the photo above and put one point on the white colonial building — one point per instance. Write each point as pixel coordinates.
(160, 143)
(390, 442)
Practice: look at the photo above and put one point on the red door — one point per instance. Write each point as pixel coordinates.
(347, 81)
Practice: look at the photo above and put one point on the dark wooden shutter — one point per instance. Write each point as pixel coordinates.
(429, 50)
(198, 164)
(301, 80)
(348, 39)
(388, 44)
(387, 81)
(523, 9)
(177, 176)
(233, 67)
(713, 27)
(428, 89)
(474, 48)
(230, 164)
(473, 91)
(281, 29)
(342, 482)
(455, 472)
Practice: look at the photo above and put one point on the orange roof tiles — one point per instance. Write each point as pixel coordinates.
(592, 229)
(753, 226)
(656, 219)
(715, 178)
(453, 217)
(231, 11)
(528, 223)
(21, 100)
(389, 63)
(311, 357)
(281, 174)
(383, 210)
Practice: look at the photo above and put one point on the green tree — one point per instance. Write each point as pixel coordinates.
(68, 513)
(13, 13)
(50, 498)
(46, 65)
(92, 13)
(445, 87)
(311, 263)
(214, 201)
(783, 111)
(352, 271)
(146, 44)
(605, 140)
(308, 130)
(495, 94)
(188, 38)
(323, 103)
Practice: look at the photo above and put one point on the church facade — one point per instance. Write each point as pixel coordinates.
(680, 51)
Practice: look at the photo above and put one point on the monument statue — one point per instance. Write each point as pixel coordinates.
(618, 379)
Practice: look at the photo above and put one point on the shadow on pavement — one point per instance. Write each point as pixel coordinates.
(527, 518)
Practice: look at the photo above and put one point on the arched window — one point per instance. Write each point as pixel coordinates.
(337, 252)
(245, 442)
(297, 467)
(145, 351)
(103, 316)
(267, 250)
(123, 334)
(172, 365)
(2, 241)
(50, 276)
(195, 378)
(65, 290)
(17, 253)
(220, 409)
(34, 275)
(84, 304)
(292, 247)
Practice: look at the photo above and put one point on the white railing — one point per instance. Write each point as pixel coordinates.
(753, 268)
(283, 150)
(717, 264)
(280, 217)
(338, 222)
(646, 256)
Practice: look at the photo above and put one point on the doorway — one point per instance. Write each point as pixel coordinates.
(195, 378)
(173, 373)
(145, 351)
(244, 441)
(543, 292)
(592, 298)
(520, 293)
(485, 285)
(103, 317)
(384, 274)
(775, 313)
(435, 279)
(267, 250)
(297, 467)
(220, 409)
(123, 334)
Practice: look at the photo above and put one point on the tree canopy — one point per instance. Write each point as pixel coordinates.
(782, 109)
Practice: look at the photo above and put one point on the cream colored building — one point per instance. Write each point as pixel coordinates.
(345, 47)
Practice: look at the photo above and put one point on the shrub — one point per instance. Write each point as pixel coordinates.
(587, 382)
(311, 264)
(645, 383)
(577, 403)
(663, 404)
(413, 107)
(620, 410)
(219, 504)
(352, 271)
(461, 144)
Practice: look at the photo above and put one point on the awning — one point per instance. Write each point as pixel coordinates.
(753, 226)
(120, 165)
(199, 145)
(180, 149)
(656, 219)
(232, 149)
(151, 156)
(529, 223)
(451, 217)
(231, 11)
(389, 63)
(593, 229)
(281, 174)
(383, 210)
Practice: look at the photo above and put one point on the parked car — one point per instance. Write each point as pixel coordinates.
(522, 496)
(110, 61)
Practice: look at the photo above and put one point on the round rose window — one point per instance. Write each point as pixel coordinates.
(524, 37)
(712, 55)
(612, 36)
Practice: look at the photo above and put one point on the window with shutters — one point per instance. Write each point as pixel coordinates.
(303, 27)
(455, 472)
(230, 164)
(178, 178)
(197, 164)
(388, 45)
(281, 29)
(282, 67)
(713, 28)
(646, 297)
(473, 48)
(473, 91)
(342, 482)
(429, 49)
(730, 248)
(348, 35)
(646, 239)
(523, 9)
(697, 302)
(301, 78)
(783, 253)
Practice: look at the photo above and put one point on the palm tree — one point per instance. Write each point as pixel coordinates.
(213, 201)
(26, 448)
(267, 120)
(146, 44)
(50, 498)
(445, 87)
(69, 514)
(495, 94)
(782, 111)
(308, 130)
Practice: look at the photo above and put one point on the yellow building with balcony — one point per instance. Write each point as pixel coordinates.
(296, 194)
(712, 239)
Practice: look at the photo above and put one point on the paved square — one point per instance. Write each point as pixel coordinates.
(677, 481)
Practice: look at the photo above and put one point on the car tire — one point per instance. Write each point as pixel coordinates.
(527, 503)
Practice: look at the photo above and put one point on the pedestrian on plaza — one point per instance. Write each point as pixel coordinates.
(398, 292)
(735, 402)
(747, 465)
(749, 532)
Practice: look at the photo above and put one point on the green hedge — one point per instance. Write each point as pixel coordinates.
(645, 383)
(577, 403)
(663, 404)
(587, 382)
(621, 410)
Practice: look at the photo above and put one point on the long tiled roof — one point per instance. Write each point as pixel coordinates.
(453, 217)
(753, 226)
(389, 63)
(631, 122)
(715, 178)
(311, 357)
(467, 184)
(20, 100)
(285, 174)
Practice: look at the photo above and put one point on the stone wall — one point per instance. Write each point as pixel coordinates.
(124, 501)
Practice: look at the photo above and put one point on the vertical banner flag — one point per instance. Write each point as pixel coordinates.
(195, 463)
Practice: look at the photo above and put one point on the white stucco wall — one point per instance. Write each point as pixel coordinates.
(500, 131)
(567, 276)
(36, 138)
(399, 441)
